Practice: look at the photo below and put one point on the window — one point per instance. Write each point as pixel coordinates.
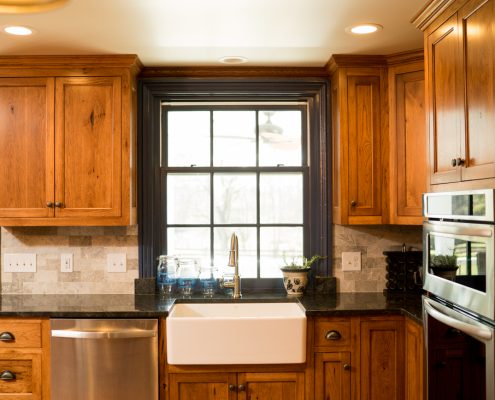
(246, 156)
(246, 173)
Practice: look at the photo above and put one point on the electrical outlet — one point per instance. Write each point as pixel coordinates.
(66, 262)
(351, 261)
(21, 262)
(116, 262)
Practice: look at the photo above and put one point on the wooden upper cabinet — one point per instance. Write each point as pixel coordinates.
(26, 147)
(460, 54)
(407, 124)
(359, 144)
(477, 22)
(444, 102)
(68, 141)
(88, 143)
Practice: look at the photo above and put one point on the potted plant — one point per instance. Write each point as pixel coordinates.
(296, 274)
(444, 266)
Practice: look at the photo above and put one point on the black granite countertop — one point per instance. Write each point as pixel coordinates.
(151, 306)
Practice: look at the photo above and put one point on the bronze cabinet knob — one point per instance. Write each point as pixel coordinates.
(353, 203)
(347, 367)
(58, 204)
(333, 335)
(49, 204)
(453, 162)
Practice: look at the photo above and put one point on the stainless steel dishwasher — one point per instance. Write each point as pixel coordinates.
(104, 359)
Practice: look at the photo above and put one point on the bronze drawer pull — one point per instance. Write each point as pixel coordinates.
(7, 375)
(7, 337)
(333, 335)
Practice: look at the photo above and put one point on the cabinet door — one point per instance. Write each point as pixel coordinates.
(88, 147)
(382, 359)
(365, 150)
(478, 46)
(333, 376)
(271, 386)
(408, 163)
(203, 386)
(20, 375)
(414, 361)
(26, 147)
(445, 101)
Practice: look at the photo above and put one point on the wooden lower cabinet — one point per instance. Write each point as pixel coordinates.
(24, 359)
(333, 376)
(382, 358)
(414, 365)
(207, 386)
(366, 358)
(237, 386)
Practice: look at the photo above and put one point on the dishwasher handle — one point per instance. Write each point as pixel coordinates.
(123, 334)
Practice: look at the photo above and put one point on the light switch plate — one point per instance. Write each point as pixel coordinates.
(351, 261)
(20, 262)
(66, 262)
(116, 262)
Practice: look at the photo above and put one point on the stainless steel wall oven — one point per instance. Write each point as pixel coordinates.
(459, 308)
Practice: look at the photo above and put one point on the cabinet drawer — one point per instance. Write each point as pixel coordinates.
(25, 369)
(23, 334)
(332, 333)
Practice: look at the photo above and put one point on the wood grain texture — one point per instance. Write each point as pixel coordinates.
(100, 113)
(26, 147)
(191, 386)
(237, 72)
(360, 145)
(478, 47)
(444, 107)
(332, 378)
(271, 386)
(382, 359)
(88, 137)
(407, 127)
(325, 325)
(27, 333)
(26, 365)
(414, 365)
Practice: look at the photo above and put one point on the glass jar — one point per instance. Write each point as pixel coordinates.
(187, 274)
(208, 280)
(166, 274)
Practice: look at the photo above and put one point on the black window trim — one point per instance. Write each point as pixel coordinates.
(152, 92)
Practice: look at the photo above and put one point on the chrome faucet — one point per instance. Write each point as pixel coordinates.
(234, 262)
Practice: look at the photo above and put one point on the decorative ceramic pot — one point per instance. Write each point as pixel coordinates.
(295, 281)
(445, 272)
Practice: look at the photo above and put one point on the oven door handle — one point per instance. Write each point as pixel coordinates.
(476, 332)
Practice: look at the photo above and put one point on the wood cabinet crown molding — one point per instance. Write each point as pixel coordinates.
(235, 72)
(71, 61)
(429, 12)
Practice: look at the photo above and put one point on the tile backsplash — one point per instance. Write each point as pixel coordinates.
(90, 246)
(371, 241)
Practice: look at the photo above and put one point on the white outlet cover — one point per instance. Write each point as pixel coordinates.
(116, 262)
(351, 261)
(19, 262)
(66, 262)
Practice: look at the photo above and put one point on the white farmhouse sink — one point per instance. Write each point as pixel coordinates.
(236, 333)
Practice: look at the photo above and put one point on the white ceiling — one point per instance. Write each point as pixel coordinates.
(199, 32)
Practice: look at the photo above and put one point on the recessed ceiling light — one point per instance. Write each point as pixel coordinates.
(18, 30)
(233, 60)
(363, 29)
(29, 6)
